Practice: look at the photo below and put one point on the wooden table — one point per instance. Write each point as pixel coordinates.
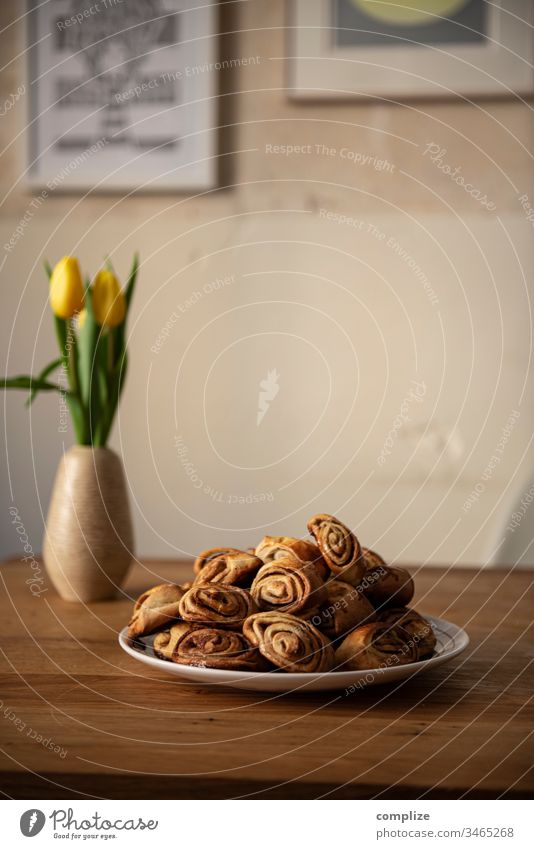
(79, 718)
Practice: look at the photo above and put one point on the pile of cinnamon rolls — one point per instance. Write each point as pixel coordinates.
(289, 605)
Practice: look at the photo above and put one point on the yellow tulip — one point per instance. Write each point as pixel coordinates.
(109, 305)
(66, 288)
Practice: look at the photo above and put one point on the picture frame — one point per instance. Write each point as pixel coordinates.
(131, 111)
(346, 49)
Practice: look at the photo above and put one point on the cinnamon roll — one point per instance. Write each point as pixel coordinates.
(339, 547)
(155, 608)
(208, 554)
(389, 586)
(414, 624)
(237, 568)
(274, 548)
(289, 586)
(217, 604)
(343, 609)
(165, 641)
(291, 644)
(376, 646)
(372, 559)
(217, 649)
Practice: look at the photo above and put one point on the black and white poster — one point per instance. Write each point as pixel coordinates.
(122, 95)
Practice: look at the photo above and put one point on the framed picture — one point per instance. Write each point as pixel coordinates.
(411, 48)
(122, 95)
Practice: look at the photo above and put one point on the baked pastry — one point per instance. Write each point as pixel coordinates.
(286, 605)
(419, 628)
(376, 646)
(208, 554)
(392, 587)
(373, 561)
(339, 547)
(165, 641)
(290, 644)
(155, 608)
(275, 548)
(219, 605)
(218, 649)
(289, 586)
(343, 609)
(237, 567)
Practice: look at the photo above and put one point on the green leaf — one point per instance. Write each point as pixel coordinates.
(132, 277)
(26, 381)
(79, 419)
(90, 340)
(60, 325)
(66, 340)
(120, 331)
(122, 372)
(44, 374)
(48, 268)
(73, 357)
(103, 364)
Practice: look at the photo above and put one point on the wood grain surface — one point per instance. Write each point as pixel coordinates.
(80, 718)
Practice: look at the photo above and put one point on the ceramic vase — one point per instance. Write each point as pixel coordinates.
(88, 544)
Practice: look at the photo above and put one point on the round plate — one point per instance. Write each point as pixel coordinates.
(451, 641)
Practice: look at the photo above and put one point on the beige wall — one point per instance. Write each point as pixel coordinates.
(345, 320)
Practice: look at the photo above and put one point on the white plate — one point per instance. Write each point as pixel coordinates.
(451, 641)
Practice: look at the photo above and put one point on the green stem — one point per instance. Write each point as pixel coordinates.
(74, 400)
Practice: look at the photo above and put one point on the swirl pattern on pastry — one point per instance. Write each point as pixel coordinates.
(289, 586)
(217, 604)
(209, 554)
(414, 624)
(156, 608)
(339, 546)
(236, 568)
(376, 646)
(218, 649)
(290, 644)
(165, 641)
(275, 548)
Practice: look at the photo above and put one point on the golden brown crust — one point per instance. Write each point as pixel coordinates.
(372, 559)
(276, 548)
(290, 644)
(416, 625)
(289, 586)
(208, 554)
(165, 641)
(217, 604)
(156, 608)
(391, 587)
(376, 646)
(237, 568)
(339, 546)
(343, 609)
(218, 649)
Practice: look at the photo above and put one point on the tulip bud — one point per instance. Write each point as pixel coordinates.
(109, 306)
(66, 288)
(82, 318)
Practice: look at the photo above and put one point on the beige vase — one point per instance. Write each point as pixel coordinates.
(88, 544)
